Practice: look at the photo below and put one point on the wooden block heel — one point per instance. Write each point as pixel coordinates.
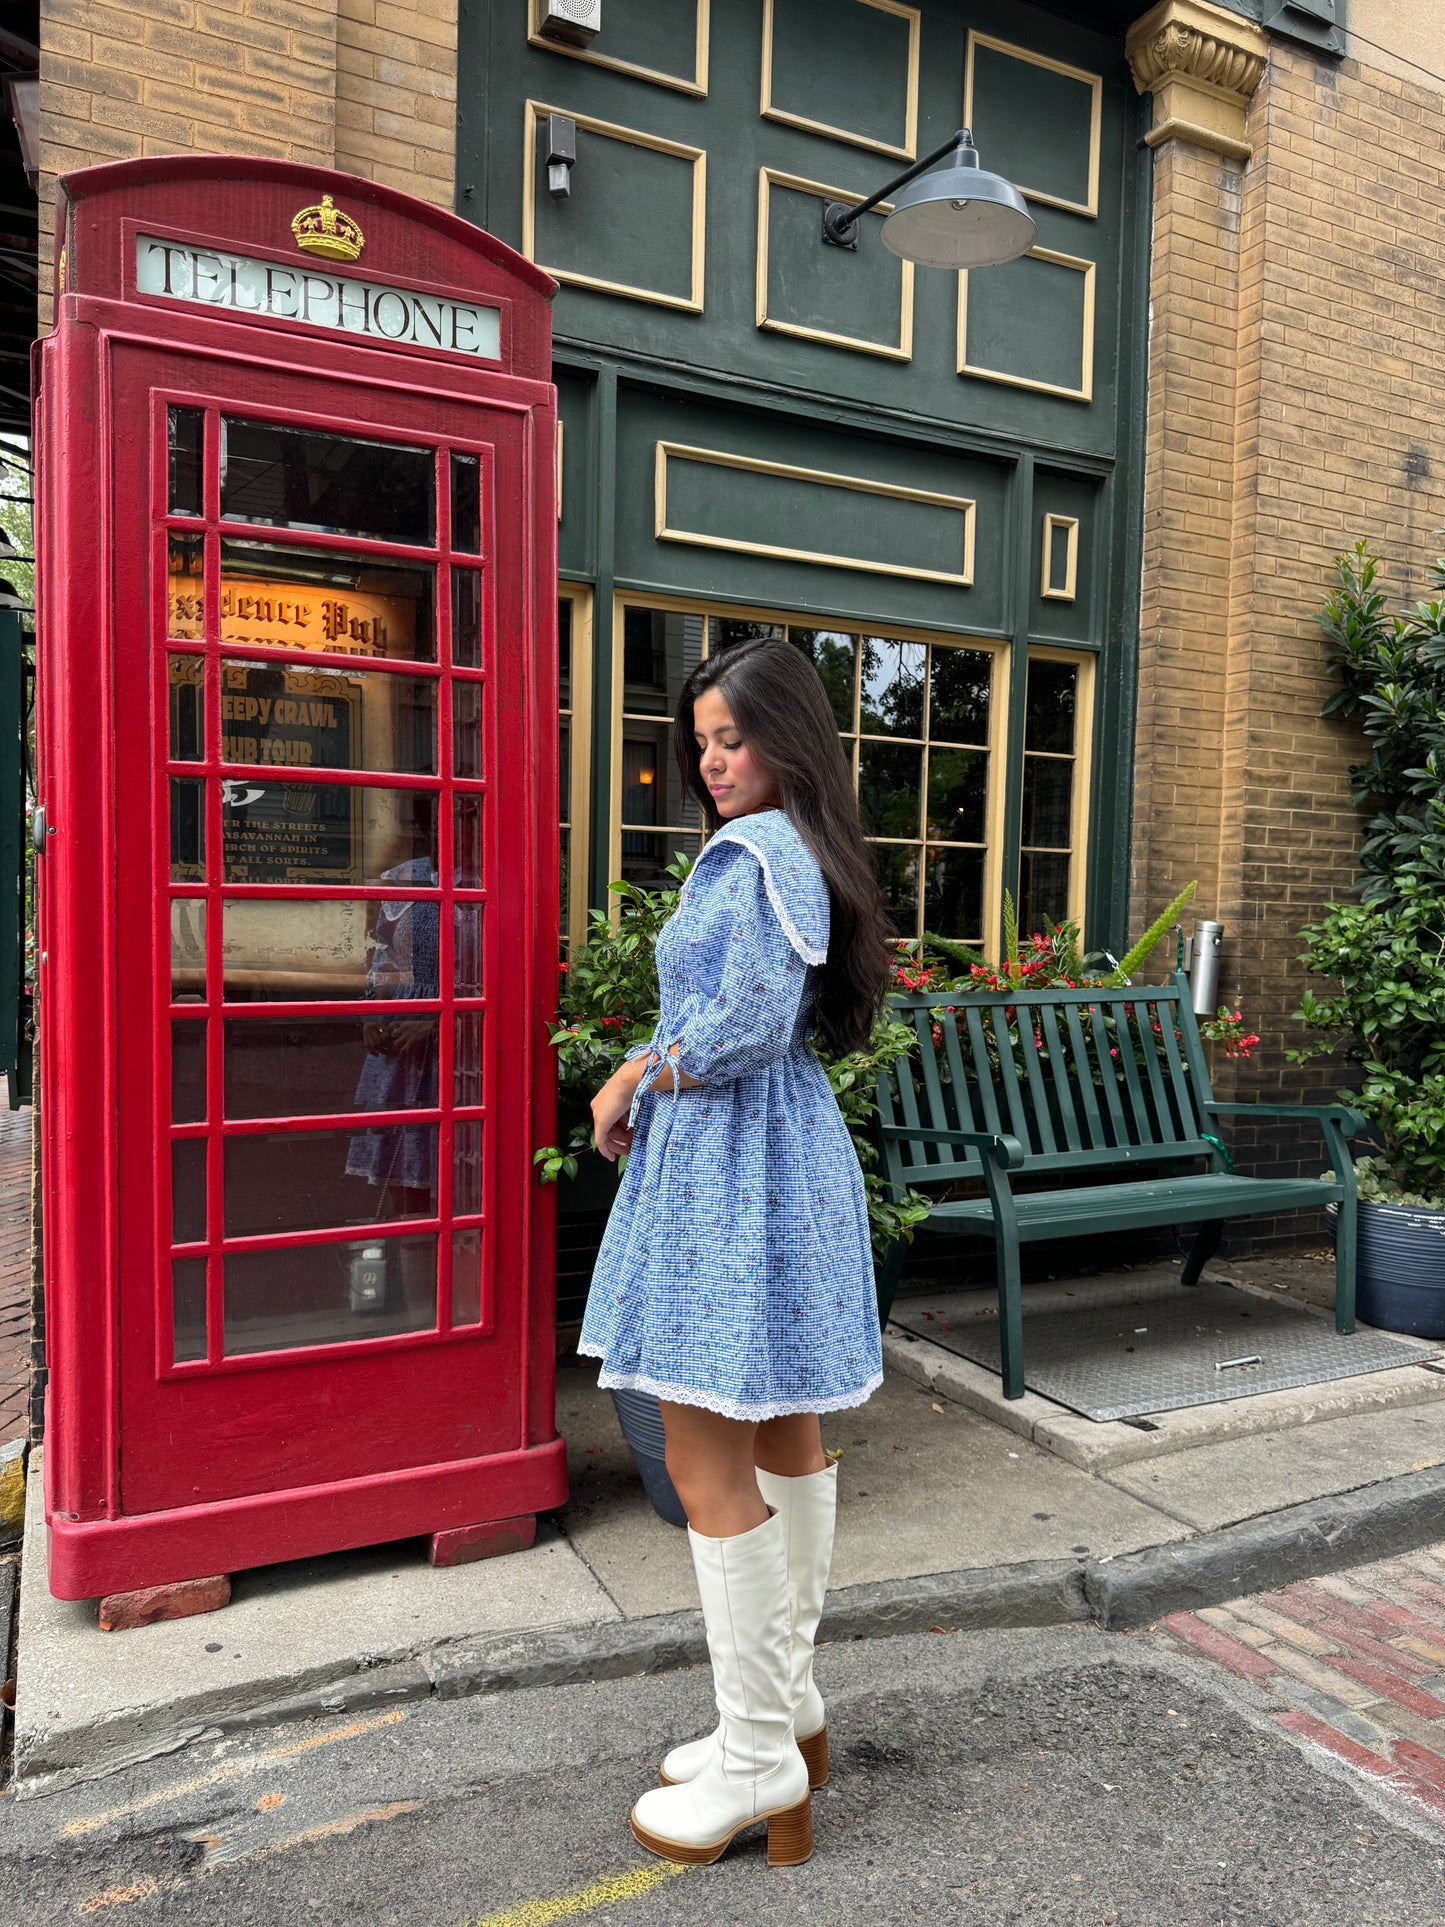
(814, 1750)
(790, 1835)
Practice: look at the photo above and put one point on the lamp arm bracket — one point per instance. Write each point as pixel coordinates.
(840, 218)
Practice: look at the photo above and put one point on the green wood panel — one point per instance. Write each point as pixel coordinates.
(801, 514)
(1071, 498)
(831, 291)
(627, 219)
(850, 71)
(1029, 321)
(662, 38)
(1034, 123)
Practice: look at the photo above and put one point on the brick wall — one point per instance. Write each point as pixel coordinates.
(1311, 282)
(364, 85)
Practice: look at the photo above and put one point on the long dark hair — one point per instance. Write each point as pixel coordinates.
(782, 713)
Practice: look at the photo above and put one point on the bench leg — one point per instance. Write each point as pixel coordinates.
(1010, 1321)
(1345, 1269)
(889, 1270)
(1204, 1248)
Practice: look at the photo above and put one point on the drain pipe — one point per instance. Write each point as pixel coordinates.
(1204, 967)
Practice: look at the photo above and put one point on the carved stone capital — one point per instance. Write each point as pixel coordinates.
(1201, 64)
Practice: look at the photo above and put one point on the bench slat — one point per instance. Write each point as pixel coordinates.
(983, 1071)
(1163, 1131)
(1084, 1079)
(1053, 1044)
(1129, 1024)
(1043, 1136)
(1055, 1214)
(1185, 1102)
(1013, 1094)
(1109, 1073)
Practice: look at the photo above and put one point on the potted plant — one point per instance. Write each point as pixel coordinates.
(1385, 955)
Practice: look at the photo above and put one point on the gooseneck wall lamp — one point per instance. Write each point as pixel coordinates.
(960, 217)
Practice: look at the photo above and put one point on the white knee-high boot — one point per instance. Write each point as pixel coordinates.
(755, 1771)
(808, 1508)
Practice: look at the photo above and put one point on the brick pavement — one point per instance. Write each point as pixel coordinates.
(14, 1270)
(1356, 1661)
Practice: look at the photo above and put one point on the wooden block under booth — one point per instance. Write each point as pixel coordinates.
(462, 1545)
(122, 1612)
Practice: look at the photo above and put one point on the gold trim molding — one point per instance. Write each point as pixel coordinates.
(769, 178)
(696, 86)
(1095, 84)
(909, 150)
(1067, 590)
(1201, 64)
(961, 578)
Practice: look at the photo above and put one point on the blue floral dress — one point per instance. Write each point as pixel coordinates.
(735, 1272)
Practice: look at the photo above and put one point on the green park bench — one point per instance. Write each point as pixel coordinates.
(1014, 1086)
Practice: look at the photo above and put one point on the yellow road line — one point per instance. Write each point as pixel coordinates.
(582, 1900)
(118, 1896)
(351, 1731)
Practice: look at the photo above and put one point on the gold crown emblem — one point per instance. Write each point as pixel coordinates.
(326, 231)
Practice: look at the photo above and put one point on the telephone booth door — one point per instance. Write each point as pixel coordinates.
(333, 725)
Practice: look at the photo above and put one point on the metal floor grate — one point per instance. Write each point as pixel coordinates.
(1122, 1349)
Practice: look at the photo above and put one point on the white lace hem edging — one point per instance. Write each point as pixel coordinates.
(728, 1407)
(809, 952)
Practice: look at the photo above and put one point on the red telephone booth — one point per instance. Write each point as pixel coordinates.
(299, 883)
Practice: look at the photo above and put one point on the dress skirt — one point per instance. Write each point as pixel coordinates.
(736, 1271)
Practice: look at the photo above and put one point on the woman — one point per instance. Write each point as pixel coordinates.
(735, 1278)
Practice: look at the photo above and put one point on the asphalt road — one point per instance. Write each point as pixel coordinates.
(1061, 1778)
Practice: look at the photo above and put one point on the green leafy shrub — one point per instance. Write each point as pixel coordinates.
(609, 1002)
(1386, 953)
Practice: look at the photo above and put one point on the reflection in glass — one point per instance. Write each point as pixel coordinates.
(1048, 802)
(188, 1310)
(186, 678)
(297, 949)
(185, 602)
(467, 955)
(891, 701)
(564, 651)
(898, 880)
(188, 949)
(646, 855)
(329, 1294)
(466, 504)
(1050, 707)
(466, 619)
(281, 832)
(319, 1066)
(298, 717)
(184, 436)
(1043, 890)
(467, 840)
(834, 656)
(467, 1171)
(305, 1180)
(957, 795)
(564, 766)
(188, 1072)
(274, 597)
(962, 681)
(188, 830)
(467, 1069)
(660, 650)
(188, 1191)
(466, 729)
(466, 1277)
(889, 783)
(301, 478)
(727, 631)
(653, 794)
(953, 894)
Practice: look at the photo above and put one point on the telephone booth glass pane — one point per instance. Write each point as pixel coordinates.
(312, 665)
(299, 478)
(330, 1294)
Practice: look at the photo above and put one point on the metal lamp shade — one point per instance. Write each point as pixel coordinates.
(959, 218)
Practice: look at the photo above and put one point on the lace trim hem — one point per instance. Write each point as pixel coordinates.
(727, 1407)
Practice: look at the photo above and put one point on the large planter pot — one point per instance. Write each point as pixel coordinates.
(641, 1422)
(1400, 1268)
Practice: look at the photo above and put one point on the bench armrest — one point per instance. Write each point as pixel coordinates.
(1004, 1151)
(1350, 1122)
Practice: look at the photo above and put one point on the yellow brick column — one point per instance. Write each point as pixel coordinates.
(1201, 65)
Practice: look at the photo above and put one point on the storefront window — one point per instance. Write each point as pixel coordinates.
(922, 726)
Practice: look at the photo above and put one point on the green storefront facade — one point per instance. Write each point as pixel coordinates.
(930, 481)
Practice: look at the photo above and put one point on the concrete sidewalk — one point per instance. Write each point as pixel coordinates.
(958, 1508)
